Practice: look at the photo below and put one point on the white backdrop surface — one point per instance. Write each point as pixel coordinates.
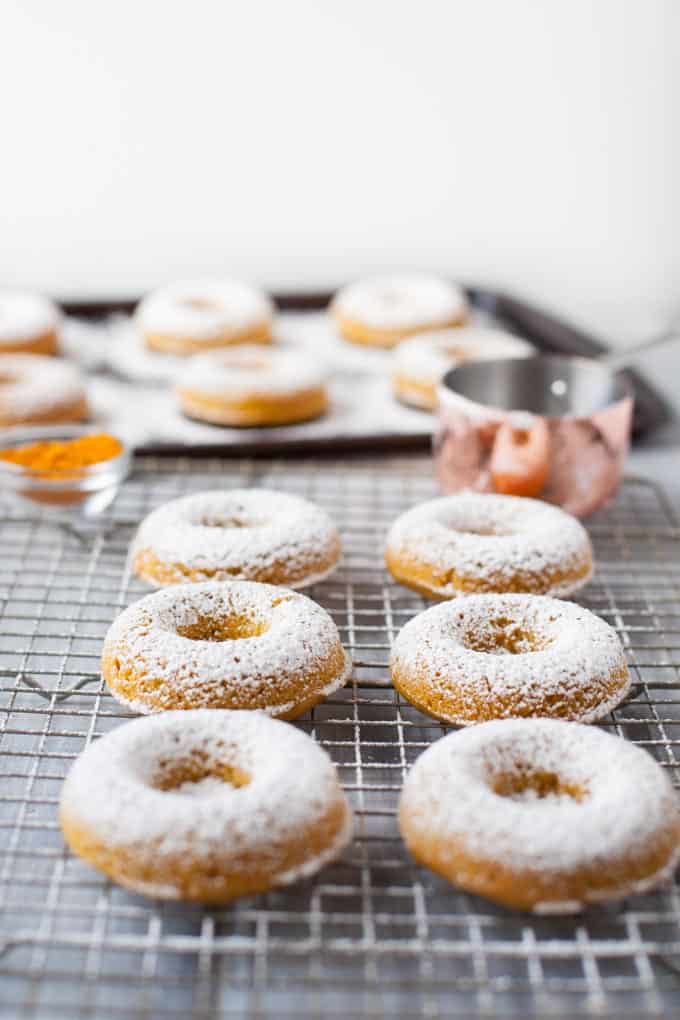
(532, 144)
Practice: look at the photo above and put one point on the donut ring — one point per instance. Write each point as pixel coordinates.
(421, 362)
(482, 542)
(252, 385)
(205, 805)
(541, 815)
(29, 324)
(240, 534)
(212, 645)
(509, 656)
(381, 311)
(39, 390)
(198, 315)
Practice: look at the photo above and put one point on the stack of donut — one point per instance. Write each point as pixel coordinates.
(214, 798)
(35, 387)
(208, 800)
(220, 333)
(528, 807)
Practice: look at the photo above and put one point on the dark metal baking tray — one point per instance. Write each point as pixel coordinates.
(546, 331)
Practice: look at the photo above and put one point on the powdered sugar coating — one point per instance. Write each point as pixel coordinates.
(493, 539)
(277, 670)
(250, 535)
(426, 357)
(37, 385)
(110, 792)
(25, 316)
(628, 800)
(203, 309)
(576, 656)
(400, 301)
(251, 369)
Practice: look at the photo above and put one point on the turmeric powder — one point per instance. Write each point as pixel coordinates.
(59, 458)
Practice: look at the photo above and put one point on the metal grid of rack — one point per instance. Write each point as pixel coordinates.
(373, 935)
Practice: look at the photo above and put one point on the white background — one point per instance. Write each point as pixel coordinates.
(532, 144)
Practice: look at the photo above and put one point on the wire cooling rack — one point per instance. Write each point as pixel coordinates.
(373, 935)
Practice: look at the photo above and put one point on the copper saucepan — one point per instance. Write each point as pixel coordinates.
(552, 427)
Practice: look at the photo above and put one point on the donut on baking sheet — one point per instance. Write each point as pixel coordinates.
(507, 656)
(251, 386)
(39, 390)
(380, 311)
(483, 542)
(224, 645)
(541, 815)
(420, 363)
(198, 315)
(205, 805)
(238, 534)
(29, 324)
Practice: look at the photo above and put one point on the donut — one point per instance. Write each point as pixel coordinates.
(36, 390)
(420, 363)
(205, 805)
(237, 644)
(198, 315)
(541, 815)
(241, 534)
(509, 656)
(253, 385)
(29, 324)
(381, 311)
(482, 542)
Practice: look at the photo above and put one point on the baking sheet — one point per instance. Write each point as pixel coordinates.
(130, 393)
(131, 388)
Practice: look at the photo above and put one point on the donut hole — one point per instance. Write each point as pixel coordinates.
(502, 635)
(456, 352)
(473, 527)
(238, 361)
(527, 783)
(199, 304)
(196, 775)
(231, 521)
(232, 627)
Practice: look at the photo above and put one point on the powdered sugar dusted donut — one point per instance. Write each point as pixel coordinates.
(242, 534)
(508, 656)
(541, 815)
(234, 645)
(480, 542)
(253, 385)
(205, 805)
(196, 315)
(29, 323)
(35, 389)
(382, 310)
(421, 362)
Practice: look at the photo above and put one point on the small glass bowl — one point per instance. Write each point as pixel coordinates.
(85, 491)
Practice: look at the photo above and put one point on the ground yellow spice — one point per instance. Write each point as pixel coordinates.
(63, 457)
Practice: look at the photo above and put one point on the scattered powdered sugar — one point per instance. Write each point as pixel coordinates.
(37, 383)
(243, 532)
(492, 538)
(298, 640)
(627, 800)
(112, 790)
(576, 654)
(251, 369)
(23, 316)
(426, 357)
(400, 301)
(203, 309)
